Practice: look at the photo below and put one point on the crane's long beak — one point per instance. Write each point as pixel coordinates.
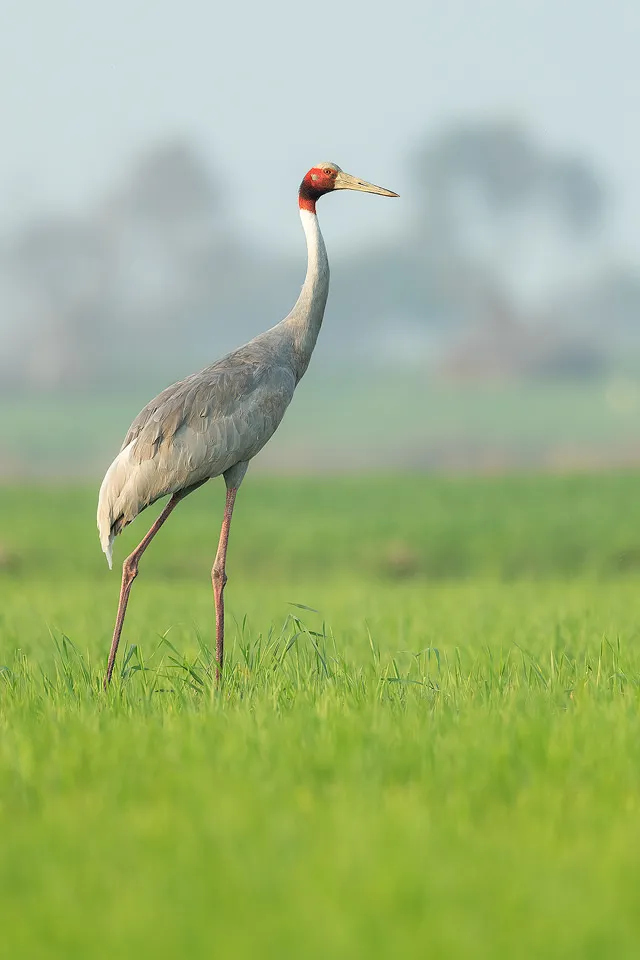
(344, 181)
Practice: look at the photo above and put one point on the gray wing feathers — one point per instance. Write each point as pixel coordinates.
(196, 429)
(217, 418)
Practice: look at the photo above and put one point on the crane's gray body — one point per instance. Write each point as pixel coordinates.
(214, 422)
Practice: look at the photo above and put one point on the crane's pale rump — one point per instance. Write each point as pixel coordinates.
(214, 422)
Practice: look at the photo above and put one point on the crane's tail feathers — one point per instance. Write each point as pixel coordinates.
(106, 531)
(129, 486)
(113, 503)
(108, 550)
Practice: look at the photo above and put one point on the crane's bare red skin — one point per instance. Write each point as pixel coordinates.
(315, 184)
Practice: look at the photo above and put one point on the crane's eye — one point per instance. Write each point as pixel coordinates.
(328, 171)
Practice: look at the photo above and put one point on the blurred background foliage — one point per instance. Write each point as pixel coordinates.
(499, 328)
(486, 320)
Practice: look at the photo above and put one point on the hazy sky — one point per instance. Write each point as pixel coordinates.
(266, 89)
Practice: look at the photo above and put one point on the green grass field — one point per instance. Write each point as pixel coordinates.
(443, 760)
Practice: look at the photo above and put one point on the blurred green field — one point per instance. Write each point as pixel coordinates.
(442, 757)
(402, 418)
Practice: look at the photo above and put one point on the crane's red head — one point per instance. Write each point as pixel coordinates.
(327, 177)
(318, 181)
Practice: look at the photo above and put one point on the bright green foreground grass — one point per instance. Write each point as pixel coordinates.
(444, 761)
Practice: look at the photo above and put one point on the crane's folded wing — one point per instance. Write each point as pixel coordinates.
(194, 430)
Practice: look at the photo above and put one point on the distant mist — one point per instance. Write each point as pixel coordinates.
(503, 277)
(503, 272)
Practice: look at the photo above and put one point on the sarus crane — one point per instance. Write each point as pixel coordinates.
(214, 422)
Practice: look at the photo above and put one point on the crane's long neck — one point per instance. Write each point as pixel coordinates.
(305, 319)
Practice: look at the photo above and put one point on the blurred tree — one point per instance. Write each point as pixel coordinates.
(175, 255)
(55, 290)
(81, 298)
(169, 189)
(506, 232)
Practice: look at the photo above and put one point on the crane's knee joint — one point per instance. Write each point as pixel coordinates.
(219, 576)
(130, 568)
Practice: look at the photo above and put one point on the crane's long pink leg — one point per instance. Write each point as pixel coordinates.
(129, 573)
(219, 578)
